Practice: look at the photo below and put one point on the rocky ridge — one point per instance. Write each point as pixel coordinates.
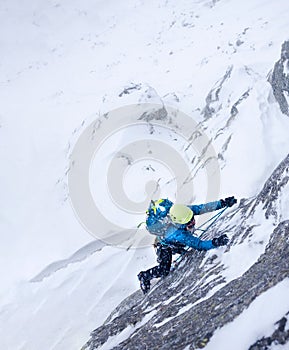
(172, 315)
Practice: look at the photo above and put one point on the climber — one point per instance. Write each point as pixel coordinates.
(174, 225)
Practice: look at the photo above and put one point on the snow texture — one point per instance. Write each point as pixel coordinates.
(64, 64)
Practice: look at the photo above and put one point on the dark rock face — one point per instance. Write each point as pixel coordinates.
(179, 312)
(279, 79)
(213, 95)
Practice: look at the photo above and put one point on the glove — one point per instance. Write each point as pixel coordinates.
(228, 202)
(222, 240)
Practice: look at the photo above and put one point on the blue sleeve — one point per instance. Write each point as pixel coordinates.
(183, 236)
(205, 208)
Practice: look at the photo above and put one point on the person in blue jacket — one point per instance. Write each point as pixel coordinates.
(175, 225)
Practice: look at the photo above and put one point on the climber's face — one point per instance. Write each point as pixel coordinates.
(191, 224)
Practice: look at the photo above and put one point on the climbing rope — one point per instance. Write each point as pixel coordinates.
(213, 219)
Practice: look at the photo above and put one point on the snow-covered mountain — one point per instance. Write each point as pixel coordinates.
(70, 64)
(223, 299)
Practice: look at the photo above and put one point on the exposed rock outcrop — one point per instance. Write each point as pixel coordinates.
(279, 336)
(279, 79)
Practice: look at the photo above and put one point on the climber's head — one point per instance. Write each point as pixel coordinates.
(181, 214)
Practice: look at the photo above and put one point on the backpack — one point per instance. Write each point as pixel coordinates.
(157, 220)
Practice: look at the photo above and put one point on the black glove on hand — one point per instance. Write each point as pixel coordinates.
(222, 240)
(228, 202)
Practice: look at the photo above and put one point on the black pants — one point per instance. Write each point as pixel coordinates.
(164, 254)
(164, 258)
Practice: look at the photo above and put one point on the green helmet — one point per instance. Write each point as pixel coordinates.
(181, 214)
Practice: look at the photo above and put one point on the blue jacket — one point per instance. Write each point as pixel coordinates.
(179, 234)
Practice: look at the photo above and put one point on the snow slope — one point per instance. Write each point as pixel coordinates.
(58, 311)
(64, 64)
